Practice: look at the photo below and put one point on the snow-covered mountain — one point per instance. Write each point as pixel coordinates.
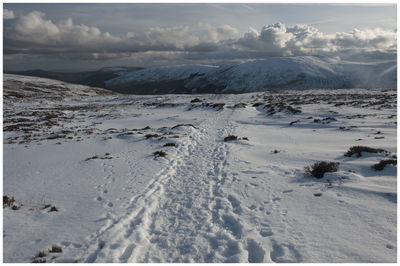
(305, 72)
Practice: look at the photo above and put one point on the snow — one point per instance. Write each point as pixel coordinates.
(162, 73)
(302, 72)
(207, 200)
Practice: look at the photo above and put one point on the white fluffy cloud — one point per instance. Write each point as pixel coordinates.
(35, 29)
(8, 14)
(304, 39)
(181, 37)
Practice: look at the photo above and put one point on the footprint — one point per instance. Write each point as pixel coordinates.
(256, 253)
(127, 253)
(253, 207)
(66, 243)
(285, 253)
(276, 199)
(76, 245)
(235, 204)
(232, 249)
(287, 191)
(110, 204)
(232, 224)
(99, 198)
(114, 246)
(266, 232)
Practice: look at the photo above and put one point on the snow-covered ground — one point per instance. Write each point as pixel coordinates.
(85, 152)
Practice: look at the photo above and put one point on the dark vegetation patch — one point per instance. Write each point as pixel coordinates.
(357, 150)
(55, 249)
(9, 202)
(240, 105)
(347, 128)
(169, 144)
(196, 100)
(293, 110)
(326, 120)
(39, 260)
(218, 106)
(160, 154)
(233, 137)
(230, 138)
(92, 158)
(148, 136)
(40, 257)
(53, 209)
(157, 104)
(45, 206)
(275, 107)
(381, 165)
(318, 169)
(56, 136)
(106, 156)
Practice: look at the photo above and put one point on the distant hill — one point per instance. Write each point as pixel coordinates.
(88, 78)
(306, 72)
(44, 89)
(302, 72)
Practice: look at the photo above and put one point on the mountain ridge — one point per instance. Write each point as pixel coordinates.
(302, 72)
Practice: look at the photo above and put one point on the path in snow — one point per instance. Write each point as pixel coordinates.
(183, 215)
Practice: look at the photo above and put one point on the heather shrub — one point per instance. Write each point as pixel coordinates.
(381, 165)
(160, 153)
(318, 169)
(357, 150)
(231, 137)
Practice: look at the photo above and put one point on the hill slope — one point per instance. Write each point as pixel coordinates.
(306, 72)
(89, 78)
(89, 185)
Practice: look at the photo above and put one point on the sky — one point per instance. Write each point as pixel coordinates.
(76, 37)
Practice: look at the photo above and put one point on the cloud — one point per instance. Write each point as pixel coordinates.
(8, 14)
(373, 39)
(304, 39)
(34, 34)
(201, 37)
